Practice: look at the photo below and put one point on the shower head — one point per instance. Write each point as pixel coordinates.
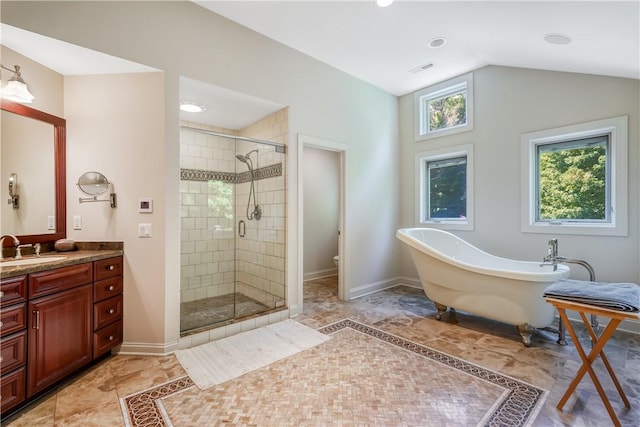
(245, 158)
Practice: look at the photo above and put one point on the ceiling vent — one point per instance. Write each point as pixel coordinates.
(422, 68)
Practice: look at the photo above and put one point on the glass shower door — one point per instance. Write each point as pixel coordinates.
(207, 194)
(260, 223)
(232, 214)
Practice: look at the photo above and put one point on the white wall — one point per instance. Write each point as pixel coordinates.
(321, 203)
(112, 129)
(182, 38)
(512, 101)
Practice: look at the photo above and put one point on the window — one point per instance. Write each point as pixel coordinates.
(574, 179)
(445, 108)
(444, 182)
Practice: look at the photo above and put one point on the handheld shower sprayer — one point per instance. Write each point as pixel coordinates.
(257, 210)
(246, 159)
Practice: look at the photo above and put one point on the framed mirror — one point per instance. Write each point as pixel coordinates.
(41, 139)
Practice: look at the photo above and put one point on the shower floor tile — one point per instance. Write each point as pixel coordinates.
(209, 311)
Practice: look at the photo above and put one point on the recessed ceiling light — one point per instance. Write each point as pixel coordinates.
(384, 3)
(437, 42)
(557, 39)
(191, 107)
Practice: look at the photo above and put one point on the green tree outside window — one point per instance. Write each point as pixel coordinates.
(572, 182)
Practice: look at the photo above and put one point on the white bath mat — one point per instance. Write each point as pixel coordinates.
(219, 361)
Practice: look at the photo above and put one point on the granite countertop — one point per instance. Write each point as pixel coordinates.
(84, 253)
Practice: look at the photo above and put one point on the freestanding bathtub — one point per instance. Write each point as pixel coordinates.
(456, 274)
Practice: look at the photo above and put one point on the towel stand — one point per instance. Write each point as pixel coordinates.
(598, 343)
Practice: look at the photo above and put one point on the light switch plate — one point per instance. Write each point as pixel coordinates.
(77, 222)
(144, 230)
(51, 222)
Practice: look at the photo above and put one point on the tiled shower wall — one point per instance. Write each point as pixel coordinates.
(208, 230)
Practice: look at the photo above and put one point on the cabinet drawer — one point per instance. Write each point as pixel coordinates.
(12, 390)
(13, 319)
(107, 338)
(107, 288)
(59, 279)
(109, 267)
(107, 312)
(13, 290)
(13, 352)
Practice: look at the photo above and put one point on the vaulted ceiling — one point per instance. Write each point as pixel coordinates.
(384, 46)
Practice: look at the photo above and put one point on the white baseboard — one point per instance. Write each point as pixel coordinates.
(147, 349)
(411, 282)
(320, 274)
(370, 288)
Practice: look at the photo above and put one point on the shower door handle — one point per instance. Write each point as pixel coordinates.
(242, 228)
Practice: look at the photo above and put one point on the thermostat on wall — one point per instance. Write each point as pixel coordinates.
(145, 205)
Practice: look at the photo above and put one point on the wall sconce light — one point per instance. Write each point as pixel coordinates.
(14, 198)
(16, 89)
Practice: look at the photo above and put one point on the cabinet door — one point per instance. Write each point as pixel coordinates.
(60, 333)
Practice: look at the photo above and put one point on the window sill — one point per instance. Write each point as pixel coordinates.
(448, 225)
(574, 228)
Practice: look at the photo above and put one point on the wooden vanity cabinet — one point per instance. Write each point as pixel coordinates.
(54, 323)
(13, 341)
(59, 324)
(108, 305)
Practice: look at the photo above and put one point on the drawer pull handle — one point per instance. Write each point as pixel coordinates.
(111, 288)
(1, 359)
(111, 268)
(37, 322)
(1, 324)
(111, 337)
(1, 294)
(111, 311)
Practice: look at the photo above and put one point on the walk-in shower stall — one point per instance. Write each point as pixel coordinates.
(232, 215)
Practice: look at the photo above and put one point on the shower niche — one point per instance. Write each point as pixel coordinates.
(232, 216)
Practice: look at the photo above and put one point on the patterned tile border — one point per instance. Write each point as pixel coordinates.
(518, 407)
(142, 409)
(204, 175)
(521, 402)
(230, 177)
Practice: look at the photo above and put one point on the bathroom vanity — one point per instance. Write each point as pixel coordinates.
(56, 318)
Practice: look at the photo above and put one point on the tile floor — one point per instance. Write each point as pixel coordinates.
(93, 397)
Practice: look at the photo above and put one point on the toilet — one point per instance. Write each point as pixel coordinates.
(336, 259)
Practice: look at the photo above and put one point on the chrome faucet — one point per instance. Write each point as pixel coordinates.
(16, 242)
(19, 249)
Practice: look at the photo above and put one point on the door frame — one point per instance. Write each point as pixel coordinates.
(343, 270)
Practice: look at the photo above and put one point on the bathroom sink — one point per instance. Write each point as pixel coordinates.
(29, 261)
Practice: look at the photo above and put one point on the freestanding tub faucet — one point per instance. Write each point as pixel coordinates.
(552, 255)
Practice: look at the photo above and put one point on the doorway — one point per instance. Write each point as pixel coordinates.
(326, 234)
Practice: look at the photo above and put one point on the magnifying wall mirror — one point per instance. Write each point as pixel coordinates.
(95, 184)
